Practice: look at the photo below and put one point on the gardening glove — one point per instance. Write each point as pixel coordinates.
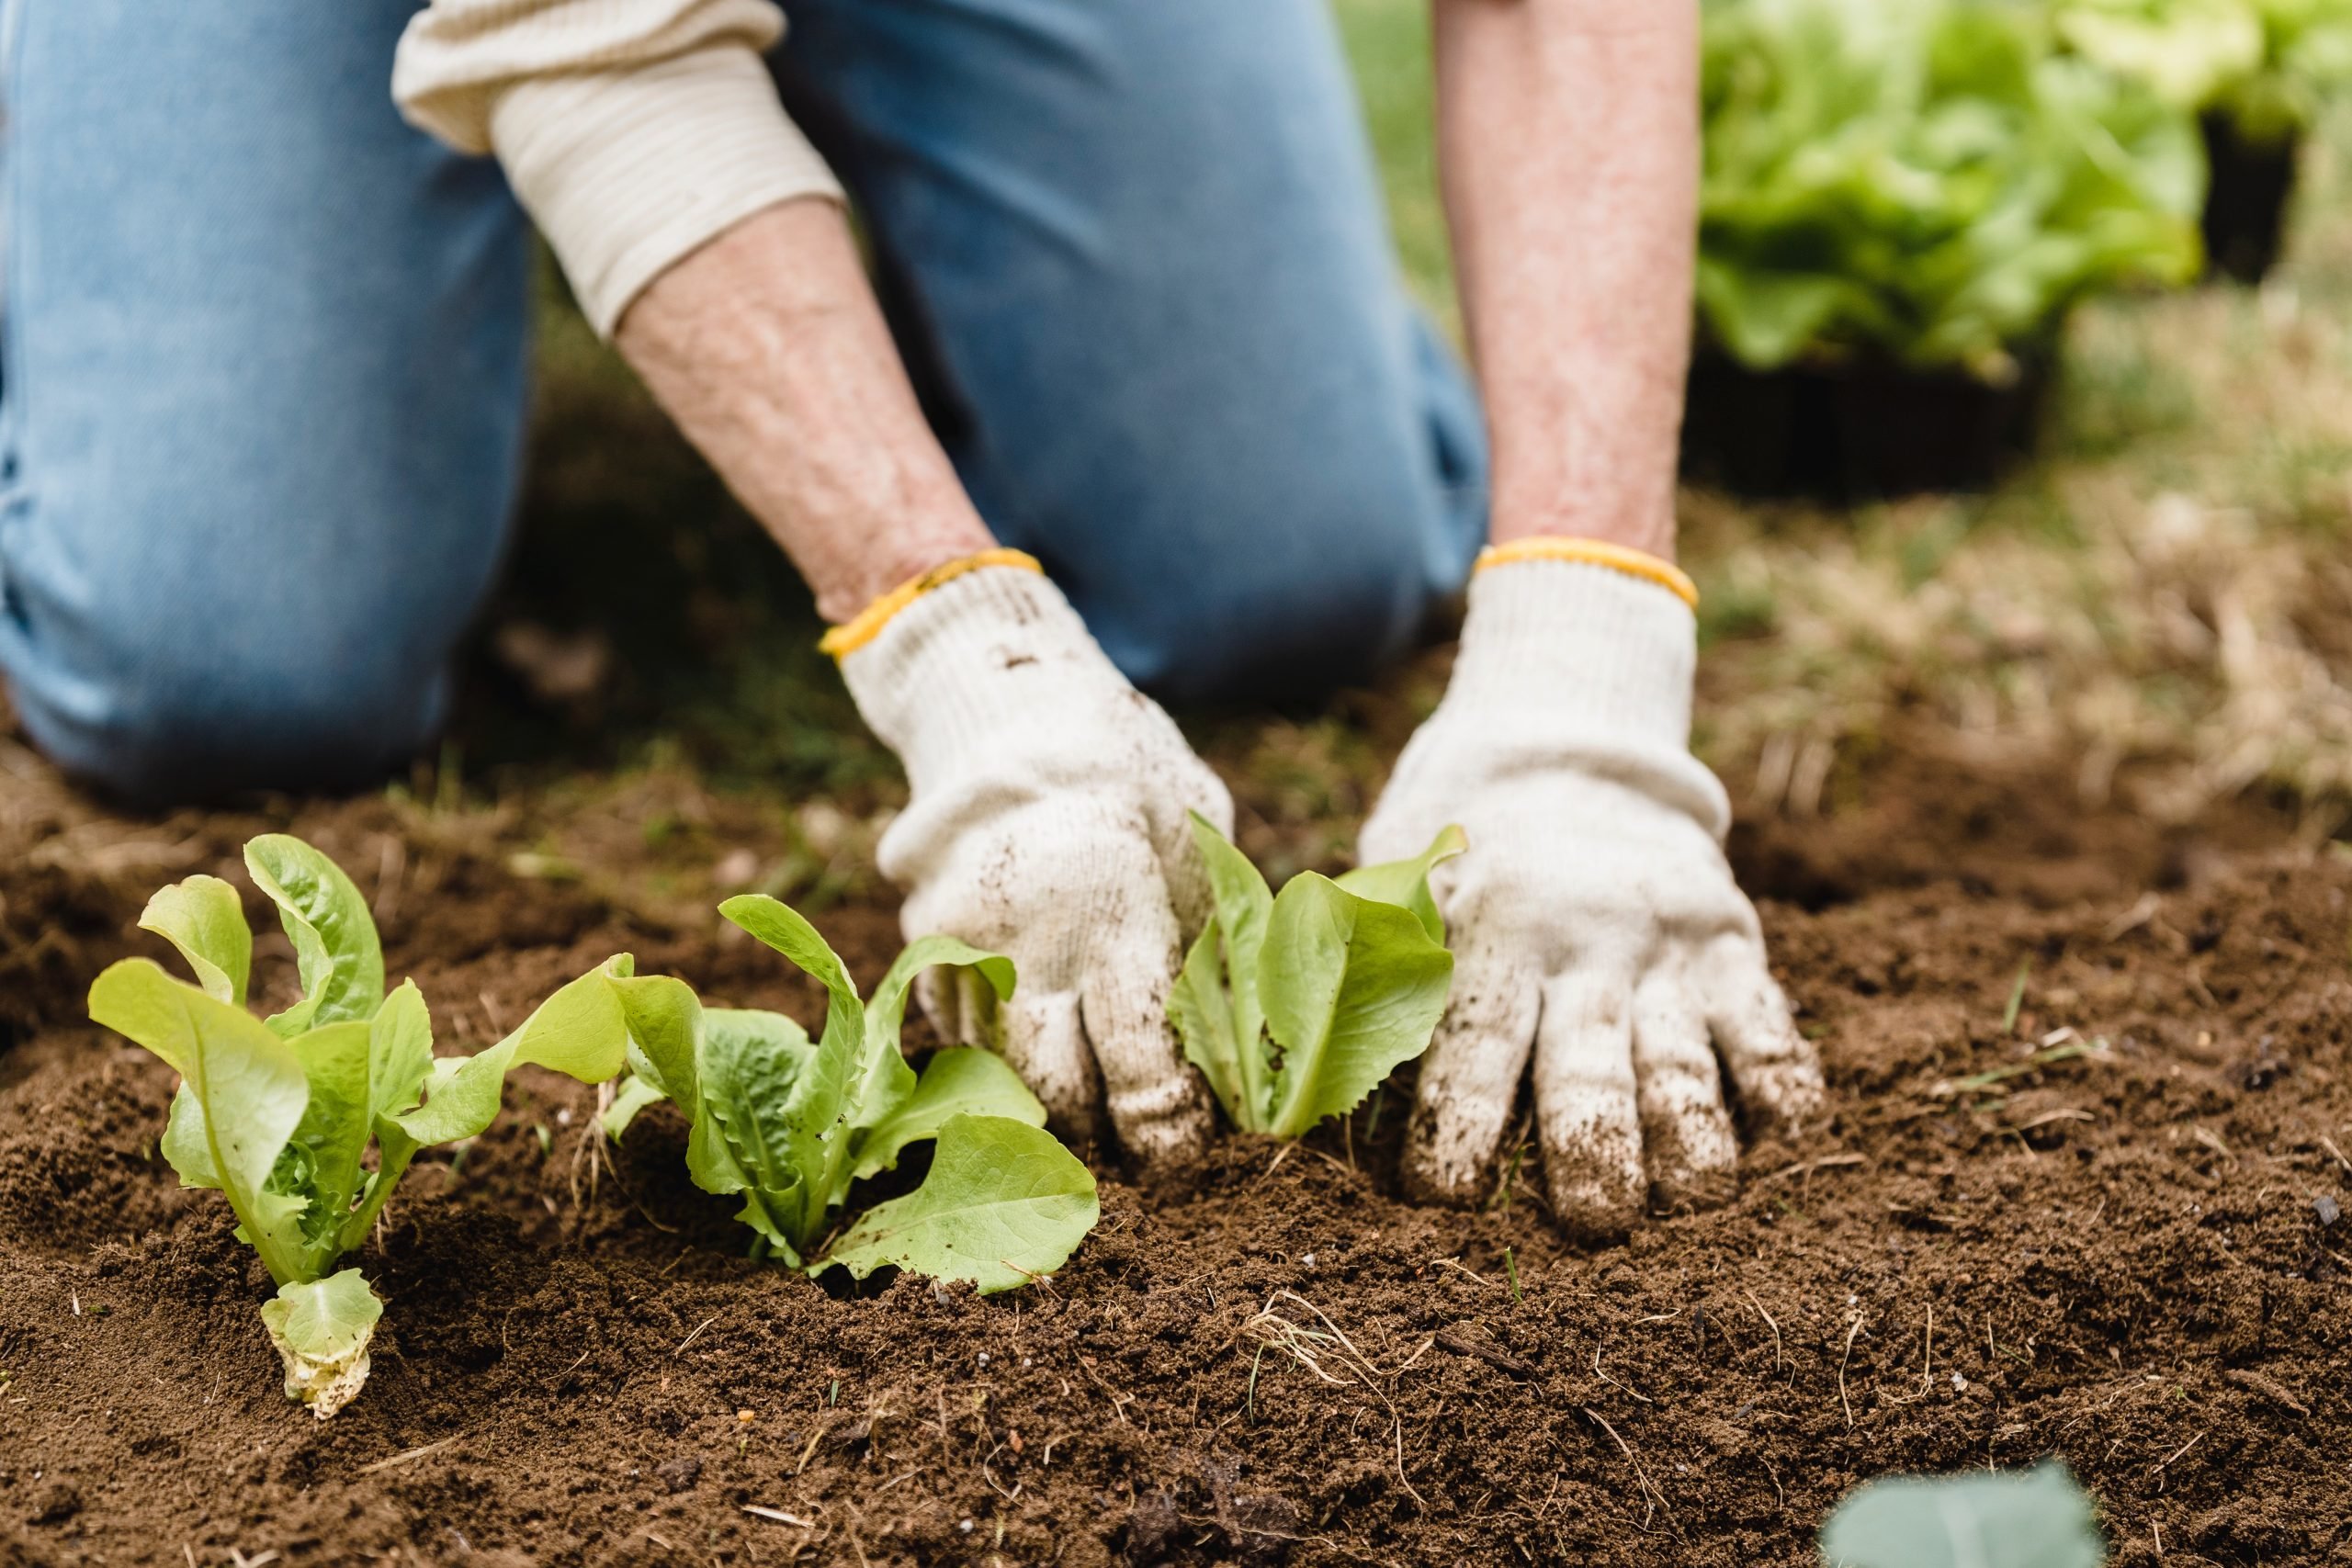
(1594, 920)
(1047, 823)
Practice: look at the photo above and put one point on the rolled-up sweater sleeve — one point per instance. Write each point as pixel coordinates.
(633, 130)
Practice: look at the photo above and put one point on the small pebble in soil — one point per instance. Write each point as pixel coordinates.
(2328, 1210)
(1306, 1260)
(747, 1417)
(680, 1473)
(984, 1357)
(964, 1525)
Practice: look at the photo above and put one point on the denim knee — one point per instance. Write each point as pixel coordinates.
(265, 359)
(209, 716)
(1314, 590)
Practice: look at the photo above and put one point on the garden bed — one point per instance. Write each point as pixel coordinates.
(2119, 1257)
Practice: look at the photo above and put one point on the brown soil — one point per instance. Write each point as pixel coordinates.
(2132, 1258)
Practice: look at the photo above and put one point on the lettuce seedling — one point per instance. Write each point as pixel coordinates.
(277, 1113)
(790, 1125)
(1294, 1007)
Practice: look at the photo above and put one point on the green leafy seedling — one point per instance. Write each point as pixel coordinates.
(2039, 1519)
(276, 1114)
(790, 1125)
(1296, 1007)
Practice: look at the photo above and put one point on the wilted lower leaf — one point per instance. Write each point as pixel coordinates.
(321, 1329)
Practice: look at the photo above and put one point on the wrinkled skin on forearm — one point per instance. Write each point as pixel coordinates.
(1569, 139)
(769, 350)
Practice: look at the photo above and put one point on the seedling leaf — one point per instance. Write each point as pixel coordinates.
(1294, 1007)
(745, 1144)
(634, 1094)
(825, 1087)
(580, 1031)
(245, 1085)
(1203, 1010)
(1354, 988)
(335, 947)
(1406, 883)
(336, 1124)
(204, 918)
(2040, 1520)
(956, 1082)
(887, 1080)
(1004, 1204)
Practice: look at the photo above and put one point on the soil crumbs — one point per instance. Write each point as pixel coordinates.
(2109, 1228)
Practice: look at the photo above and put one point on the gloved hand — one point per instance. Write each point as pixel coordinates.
(1594, 919)
(1047, 823)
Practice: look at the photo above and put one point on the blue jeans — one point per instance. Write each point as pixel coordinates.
(265, 357)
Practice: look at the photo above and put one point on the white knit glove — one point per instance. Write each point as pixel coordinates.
(1047, 823)
(1594, 919)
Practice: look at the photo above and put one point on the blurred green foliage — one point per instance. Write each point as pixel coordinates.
(2271, 65)
(1936, 182)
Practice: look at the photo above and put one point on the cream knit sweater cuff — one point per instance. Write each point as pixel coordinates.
(629, 152)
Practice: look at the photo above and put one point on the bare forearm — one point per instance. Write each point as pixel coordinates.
(1569, 144)
(768, 349)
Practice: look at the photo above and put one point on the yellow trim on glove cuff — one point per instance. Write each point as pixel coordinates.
(867, 624)
(1595, 552)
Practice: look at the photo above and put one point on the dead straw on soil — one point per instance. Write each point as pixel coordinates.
(1311, 1348)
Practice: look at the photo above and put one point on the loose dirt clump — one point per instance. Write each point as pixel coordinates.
(2109, 1228)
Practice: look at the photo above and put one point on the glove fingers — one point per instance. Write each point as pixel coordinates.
(1180, 858)
(1586, 1105)
(1153, 1098)
(1044, 1043)
(1687, 1137)
(1470, 1075)
(1131, 956)
(1776, 1070)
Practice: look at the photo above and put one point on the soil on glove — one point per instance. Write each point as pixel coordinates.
(2111, 1230)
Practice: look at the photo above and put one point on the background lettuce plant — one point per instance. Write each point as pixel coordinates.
(1930, 182)
(2269, 65)
(1294, 1007)
(790, 1125)
(276, 1114)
